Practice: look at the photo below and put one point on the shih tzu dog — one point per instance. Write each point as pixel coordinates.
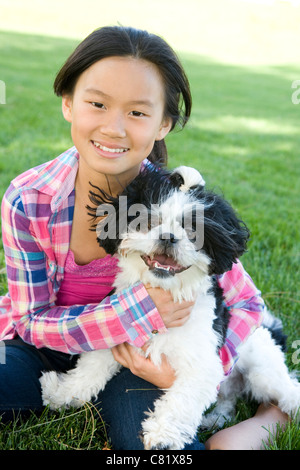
(169, 231)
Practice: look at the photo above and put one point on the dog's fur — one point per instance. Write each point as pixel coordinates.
(188, 270)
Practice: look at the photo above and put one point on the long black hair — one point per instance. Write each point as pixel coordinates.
(116, 41)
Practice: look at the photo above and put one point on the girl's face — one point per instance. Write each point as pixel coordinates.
(117, 113)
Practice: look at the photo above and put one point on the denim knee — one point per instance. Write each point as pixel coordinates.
(19, 381)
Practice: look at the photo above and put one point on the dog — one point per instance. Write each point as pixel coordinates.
(169, 231)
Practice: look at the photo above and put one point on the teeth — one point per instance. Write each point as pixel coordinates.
(166, 268)
(106, 149)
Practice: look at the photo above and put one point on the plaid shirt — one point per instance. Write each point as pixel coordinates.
(37, 215)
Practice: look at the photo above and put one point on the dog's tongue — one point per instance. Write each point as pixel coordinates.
(165, 260)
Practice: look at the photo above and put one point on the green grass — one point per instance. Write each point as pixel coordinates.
(81, 429)
(244, 138)
(284, 438)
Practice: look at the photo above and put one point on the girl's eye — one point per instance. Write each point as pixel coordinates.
(137, 114)
(97, 105)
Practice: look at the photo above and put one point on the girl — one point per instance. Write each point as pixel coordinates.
(123, 90)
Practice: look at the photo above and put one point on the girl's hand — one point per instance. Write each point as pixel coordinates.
(128, 356)
(173, 314)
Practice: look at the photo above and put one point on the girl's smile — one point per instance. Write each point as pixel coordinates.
(117, 113)
(109, 150)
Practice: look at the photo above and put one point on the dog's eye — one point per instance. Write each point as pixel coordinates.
(154, 220)
(181, 220)
(188, 221)
(140, 220)
(191, 235)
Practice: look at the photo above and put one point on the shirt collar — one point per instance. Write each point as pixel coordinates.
(57, 177)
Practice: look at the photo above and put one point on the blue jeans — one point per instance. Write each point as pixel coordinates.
(122, 403)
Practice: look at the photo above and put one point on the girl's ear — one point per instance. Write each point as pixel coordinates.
(67, 102)
(164, 129)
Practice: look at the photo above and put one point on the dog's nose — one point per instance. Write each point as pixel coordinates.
(168, 237)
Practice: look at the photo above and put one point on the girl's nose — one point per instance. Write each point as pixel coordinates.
(113, 125)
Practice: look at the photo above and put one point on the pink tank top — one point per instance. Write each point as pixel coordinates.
(89, 283)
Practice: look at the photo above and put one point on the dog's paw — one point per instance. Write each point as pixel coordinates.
(50, 390)
(290, 401)
(152, 443)
(149, 443)
(58, 391)
(213, 421)
(162, 435)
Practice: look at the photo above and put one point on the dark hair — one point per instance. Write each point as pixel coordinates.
(115, 41)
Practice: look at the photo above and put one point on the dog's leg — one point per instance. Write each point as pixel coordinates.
(79, 385)
(265, 373)
(178, 413)
(224, 409)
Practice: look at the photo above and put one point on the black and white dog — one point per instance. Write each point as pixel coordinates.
(170, 232)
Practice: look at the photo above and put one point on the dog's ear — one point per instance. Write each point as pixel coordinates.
(186, 178)
(108, 234)
(111, 215)
(105, 218)
(225, 235)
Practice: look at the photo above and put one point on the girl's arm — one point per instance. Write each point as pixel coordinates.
(129, 316)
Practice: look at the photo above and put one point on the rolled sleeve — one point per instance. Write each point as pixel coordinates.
(138, 314)
(246, 308)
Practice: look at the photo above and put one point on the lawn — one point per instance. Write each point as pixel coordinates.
(244, 138)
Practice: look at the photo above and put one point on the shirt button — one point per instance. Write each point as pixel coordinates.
(154, 332)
